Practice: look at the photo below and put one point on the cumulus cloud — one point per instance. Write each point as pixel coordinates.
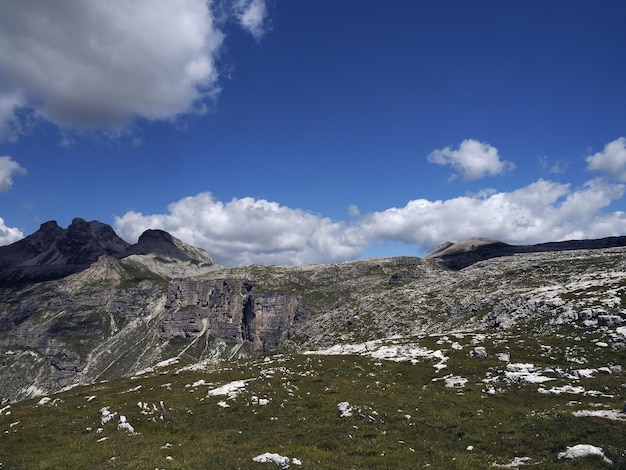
(473, 160)
(9, 167)
(611, 161)
(542, 211)
(9, 235)
(249, 231)
(252, 16)
(102, 64)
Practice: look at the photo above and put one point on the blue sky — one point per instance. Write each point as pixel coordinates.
(293, 132)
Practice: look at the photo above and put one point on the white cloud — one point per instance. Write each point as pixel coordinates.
(473, 159)
(9, 235)
(9, 167)
(353, 210)
(102, 64)
(611, 161)
(252, 15)
(560, 166)
(542, 211)
(10, 125)
(248, 231)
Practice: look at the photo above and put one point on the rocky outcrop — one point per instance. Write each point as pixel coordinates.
(231, 310)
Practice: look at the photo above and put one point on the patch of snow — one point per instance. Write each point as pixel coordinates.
(44, 401)
(525, 373)
(197, 384)
(456, 346)
(387, 349)
(602, 344)
(6, 408)
(582, 450)
(563, 389)
(223, 404)
(231, 389)
(281, 461)
(91, 398)
(454, 381)
(616, 415)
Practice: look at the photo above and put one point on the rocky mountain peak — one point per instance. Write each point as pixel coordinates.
(53, 252)
(161, 244)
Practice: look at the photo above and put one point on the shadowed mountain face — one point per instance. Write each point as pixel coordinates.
(53, 252)
(472, 250)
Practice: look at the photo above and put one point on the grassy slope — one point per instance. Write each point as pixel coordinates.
(402, 418)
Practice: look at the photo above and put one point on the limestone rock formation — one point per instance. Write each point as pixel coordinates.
(230, 310)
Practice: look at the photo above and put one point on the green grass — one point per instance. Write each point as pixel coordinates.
(401, 418)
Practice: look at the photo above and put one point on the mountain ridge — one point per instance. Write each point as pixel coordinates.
(466, 252)
(53, 252)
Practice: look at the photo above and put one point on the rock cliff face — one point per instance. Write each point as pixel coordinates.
(230, 310)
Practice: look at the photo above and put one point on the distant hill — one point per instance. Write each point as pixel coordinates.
(466, 252)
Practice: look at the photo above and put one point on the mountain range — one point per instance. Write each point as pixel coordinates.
(513, 327)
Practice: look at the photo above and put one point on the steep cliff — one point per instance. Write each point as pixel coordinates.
(229, 310)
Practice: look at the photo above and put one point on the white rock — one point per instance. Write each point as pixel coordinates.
(582, 450)
(345, 409)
